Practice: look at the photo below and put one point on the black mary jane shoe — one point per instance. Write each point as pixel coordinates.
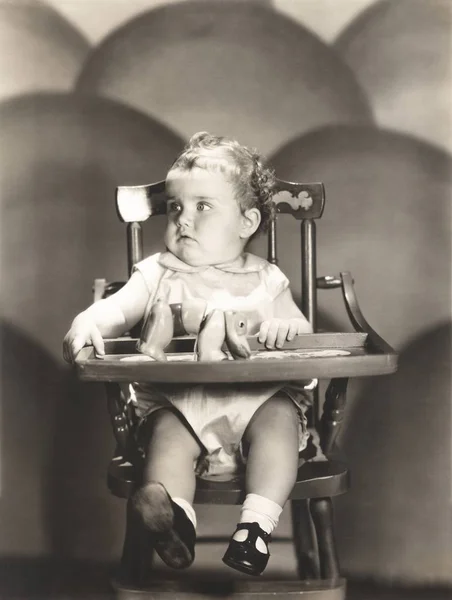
(244, 556)
(170, 531)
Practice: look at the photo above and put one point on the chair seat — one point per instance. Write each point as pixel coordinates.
(315, 479)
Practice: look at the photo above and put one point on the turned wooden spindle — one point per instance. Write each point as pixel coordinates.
(333, 413)
(118, 416)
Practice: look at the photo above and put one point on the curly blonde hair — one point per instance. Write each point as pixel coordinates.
(242, 166)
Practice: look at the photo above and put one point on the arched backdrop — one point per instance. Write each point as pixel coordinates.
(352, 93)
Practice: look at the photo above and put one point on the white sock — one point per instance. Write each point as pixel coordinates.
(261, 510)
(187, 508)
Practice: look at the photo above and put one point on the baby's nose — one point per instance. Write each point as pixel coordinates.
(186, 217)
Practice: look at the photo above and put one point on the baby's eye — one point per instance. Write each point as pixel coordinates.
(201, 206)
(173, 207)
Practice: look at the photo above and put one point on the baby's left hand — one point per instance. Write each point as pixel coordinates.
(274, 332)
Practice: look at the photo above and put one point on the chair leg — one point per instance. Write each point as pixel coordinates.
(137, 555)
(304, 541)
(322, 515)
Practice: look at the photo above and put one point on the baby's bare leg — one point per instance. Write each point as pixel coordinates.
(163, 503)
(170, 455)
(272, 438)
(272, 442)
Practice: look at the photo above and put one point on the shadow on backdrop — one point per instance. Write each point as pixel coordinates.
(39, 49)
(387, 220)
(56, 445)
(399, 51)
(395, 522)
(227, 67)
(66, 155)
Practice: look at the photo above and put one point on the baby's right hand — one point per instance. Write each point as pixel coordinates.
(83, 331)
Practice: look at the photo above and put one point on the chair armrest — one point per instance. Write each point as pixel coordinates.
(336, 393)
(356, 316)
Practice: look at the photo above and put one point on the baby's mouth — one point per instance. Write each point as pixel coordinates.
(185, 236)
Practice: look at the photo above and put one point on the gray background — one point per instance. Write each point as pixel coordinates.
(354, 94)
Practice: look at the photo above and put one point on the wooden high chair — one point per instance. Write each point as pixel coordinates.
(332, 356)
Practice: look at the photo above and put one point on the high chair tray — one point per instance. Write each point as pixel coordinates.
(314, 355)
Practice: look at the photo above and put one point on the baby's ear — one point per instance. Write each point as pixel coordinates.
(251, 219)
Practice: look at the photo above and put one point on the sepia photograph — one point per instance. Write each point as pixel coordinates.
(226, 299)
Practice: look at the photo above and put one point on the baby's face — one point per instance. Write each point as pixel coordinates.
(205, 222)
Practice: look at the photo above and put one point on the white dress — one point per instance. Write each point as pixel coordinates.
(218, 414)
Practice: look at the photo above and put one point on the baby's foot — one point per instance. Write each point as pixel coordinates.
(173, 534)
(248, 549)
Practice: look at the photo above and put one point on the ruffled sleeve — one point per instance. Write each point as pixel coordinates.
(274, 280)
(151, 271)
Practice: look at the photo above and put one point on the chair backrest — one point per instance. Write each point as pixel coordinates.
(304, 201)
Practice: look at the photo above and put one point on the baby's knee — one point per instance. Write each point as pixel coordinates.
(280, 408)
(275, 415)
(164, 424)
(164, 429)
(164, 420)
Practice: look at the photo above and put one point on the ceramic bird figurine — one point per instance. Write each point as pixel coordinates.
(188, 316)
(157, 331)
(211, 337)
(220, 327)
(236, 330)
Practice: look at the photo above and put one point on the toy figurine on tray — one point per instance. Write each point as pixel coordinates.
(219, 198)
(214, 330)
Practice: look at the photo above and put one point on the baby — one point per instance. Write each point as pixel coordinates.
(219, 198)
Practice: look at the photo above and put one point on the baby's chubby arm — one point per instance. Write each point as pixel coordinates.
(288, 322)
(107, 318)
